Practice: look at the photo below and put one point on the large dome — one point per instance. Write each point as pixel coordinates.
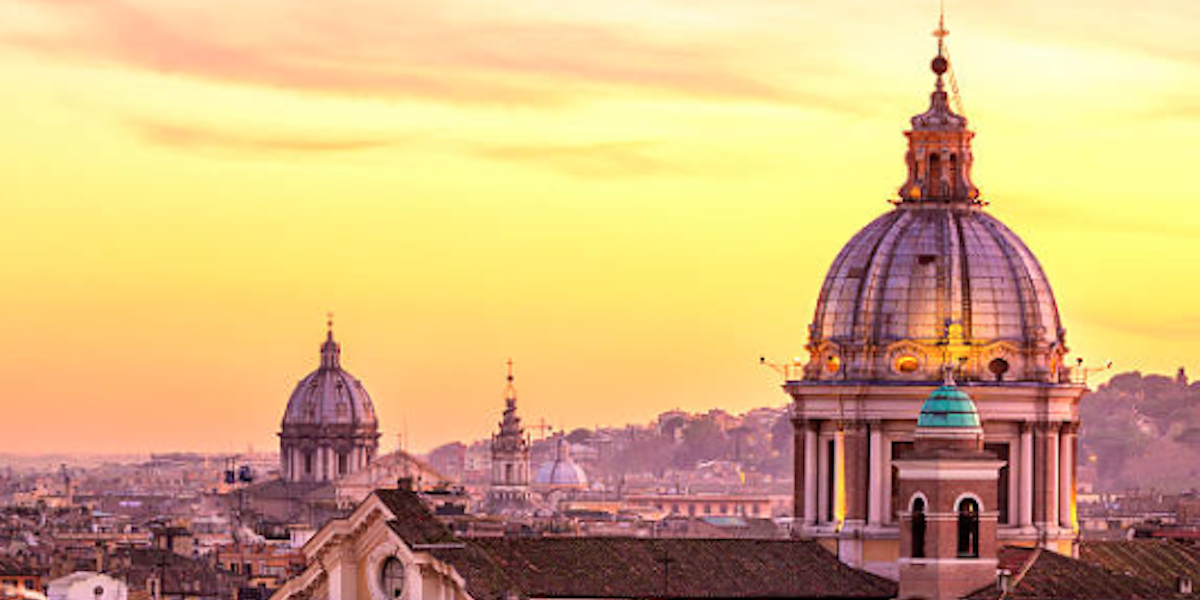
(330, 396)
(937, 281)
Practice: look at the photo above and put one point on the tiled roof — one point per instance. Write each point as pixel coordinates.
(603, 567)
(611, 567)
(414, 523)
(1039, 574)
(1162, 561)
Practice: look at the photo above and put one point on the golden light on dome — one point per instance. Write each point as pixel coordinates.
(907, 364)
(833, 364)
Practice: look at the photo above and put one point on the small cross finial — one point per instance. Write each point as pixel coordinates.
(948, 375)
(329, 320)
(510, 370)
(941, 32)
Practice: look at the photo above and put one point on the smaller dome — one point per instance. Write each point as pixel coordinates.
(562, 472)
(948, 407)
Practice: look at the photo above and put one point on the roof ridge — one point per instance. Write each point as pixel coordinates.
(1016, 580)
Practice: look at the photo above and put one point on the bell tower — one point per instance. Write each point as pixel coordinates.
(509, 493)
(948, 489)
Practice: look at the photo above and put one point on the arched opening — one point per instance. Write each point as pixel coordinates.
(308, 463)
(508, 473)
(968, 528)
(935, 176)
(918, 528)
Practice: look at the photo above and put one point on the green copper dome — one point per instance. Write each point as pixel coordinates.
(948, 406)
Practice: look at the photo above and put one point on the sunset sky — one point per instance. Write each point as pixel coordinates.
(633, 199)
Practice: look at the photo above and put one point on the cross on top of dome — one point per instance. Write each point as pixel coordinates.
(939, 144)
(330, 350)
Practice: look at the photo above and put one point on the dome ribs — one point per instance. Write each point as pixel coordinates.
(964, 300)
(928, 283)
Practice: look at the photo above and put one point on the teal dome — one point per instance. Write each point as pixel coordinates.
(948, 407)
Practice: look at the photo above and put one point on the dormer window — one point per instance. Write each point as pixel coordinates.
(391, 577)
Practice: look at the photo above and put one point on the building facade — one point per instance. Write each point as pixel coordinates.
(935, 283)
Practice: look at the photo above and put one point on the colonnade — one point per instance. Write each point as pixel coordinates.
(1041, 473)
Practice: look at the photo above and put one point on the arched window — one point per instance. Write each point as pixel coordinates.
(308, 463)
(968, 528)
(935, 175)
(391, 577)
(918, 528)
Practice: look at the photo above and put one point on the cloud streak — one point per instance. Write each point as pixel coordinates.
(407, 49)
(190, 137)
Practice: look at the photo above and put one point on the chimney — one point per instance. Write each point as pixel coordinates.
(1004, 581)
(1183, 584)
(405, 484)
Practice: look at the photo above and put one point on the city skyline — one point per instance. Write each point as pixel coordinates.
(633, 201)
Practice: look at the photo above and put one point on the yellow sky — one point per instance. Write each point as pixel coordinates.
(634, 199)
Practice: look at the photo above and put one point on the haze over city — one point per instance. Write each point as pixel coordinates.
(632, 199)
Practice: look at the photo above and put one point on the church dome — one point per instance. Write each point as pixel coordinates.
(330, 396)
(562, 472)
(936, 281)
(948, 407)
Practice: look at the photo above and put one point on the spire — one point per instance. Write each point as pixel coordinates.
(939, 143)
(510, 390)
(330, 350)
(511, 435)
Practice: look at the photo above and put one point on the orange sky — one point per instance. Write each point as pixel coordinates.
(634, 199)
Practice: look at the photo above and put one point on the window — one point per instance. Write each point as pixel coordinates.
(342, 463)
(830, 479)
(918, 528)
(968, 528)
(308, 460)
(391, 577)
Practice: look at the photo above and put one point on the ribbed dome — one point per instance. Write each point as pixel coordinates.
(330, 395)
(929, 284)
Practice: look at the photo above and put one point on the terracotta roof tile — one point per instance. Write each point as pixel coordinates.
(674, 568)
(1046, 575)
(1162, 561)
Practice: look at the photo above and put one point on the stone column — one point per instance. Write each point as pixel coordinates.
(1048, 491)
(1026, 491)
(1066, 474)
(1014, 481)
(887, 480)
(810, 473)
(875, 482)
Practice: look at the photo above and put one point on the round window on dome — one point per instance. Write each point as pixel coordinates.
(907, 364)
(998, 367)
(833, 364)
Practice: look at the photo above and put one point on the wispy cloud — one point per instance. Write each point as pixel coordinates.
(619, 159)
(203, 138)
(395, 49)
